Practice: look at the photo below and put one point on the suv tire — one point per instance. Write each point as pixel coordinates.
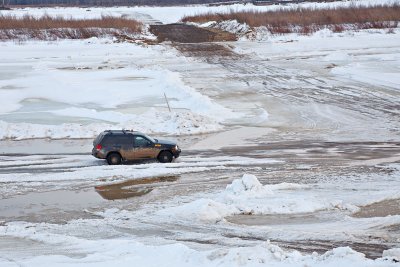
(165, 157)
(114, 159)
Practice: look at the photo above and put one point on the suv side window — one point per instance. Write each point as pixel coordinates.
(125, 140)
(140, 141)
(117, 140)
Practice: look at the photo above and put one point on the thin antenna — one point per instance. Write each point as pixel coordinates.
(166, 99)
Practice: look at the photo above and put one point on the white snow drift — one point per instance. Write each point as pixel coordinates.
(125, 251)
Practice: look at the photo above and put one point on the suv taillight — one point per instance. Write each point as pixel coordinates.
(99, 147)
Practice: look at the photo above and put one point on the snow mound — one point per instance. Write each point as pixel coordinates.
(254, 256)
(341, 253)
(248, 183)
(233, 26)
(248, 196)
(258, 34)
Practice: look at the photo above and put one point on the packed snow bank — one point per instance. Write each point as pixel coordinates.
(126, 251)
(248, 196)
(152, 122)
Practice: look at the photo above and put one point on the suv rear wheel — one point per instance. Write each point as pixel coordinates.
(114, 159)
(165, 157)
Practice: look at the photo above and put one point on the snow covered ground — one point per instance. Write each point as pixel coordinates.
(126, 252)
(293, 81)
(300, 163)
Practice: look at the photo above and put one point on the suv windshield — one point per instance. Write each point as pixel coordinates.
(148, 137)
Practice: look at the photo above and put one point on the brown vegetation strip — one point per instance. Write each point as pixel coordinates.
(309, 19)
(46, 27)
(47, 22)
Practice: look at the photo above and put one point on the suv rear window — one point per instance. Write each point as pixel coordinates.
(98, 139)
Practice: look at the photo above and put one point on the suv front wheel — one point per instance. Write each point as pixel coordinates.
(165, 157)
(114, 159)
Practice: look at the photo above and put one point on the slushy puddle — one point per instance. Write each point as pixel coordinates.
(33, 204)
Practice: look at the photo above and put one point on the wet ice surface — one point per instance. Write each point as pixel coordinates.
(131, 200)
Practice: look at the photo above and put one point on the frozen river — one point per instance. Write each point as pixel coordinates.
(291, 151)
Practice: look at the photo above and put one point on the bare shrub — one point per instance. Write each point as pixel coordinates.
(279, 29)
(390, 31)
(337, 28)
(307, 20)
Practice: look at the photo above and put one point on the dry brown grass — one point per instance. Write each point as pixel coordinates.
(307, 20)
(46, 27)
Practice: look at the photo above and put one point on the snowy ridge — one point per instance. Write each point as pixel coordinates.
(153, 122)
(127, 252)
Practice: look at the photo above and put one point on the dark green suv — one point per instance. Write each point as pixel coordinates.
(121, 145)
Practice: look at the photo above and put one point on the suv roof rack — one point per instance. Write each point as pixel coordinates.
(123, 131)
(115, 131)
(127, 131)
